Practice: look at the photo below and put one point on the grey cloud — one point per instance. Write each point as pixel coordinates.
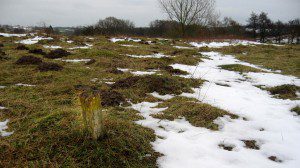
(84, 12)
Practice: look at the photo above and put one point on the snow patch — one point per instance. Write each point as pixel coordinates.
(162, 97)
(87, 46)
(140, 73)
(12, 35)
(3, 127)
(266, 120)
(34, 40)
(114, 40)
(52, 47)
(183, 47)
(74, 60)
(226, 44)
(158, 55)
(25, 85)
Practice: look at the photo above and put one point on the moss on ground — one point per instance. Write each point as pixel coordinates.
(239, 68)
(197, 113)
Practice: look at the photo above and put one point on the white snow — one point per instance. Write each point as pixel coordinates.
(140, 73)
(158, 55)
(2, 87)
(271, 80)
(25, 85)
(114, 40)
(2, 108)
(52, 47)
(184, 145)
(3, 127)
(74, 60)
(12, 35)
(162, 97)
(87, 46)
(70, 41)
(123, 69)
(183, 47)
(226, 44)
(124, 45)
(34, 40)
(109, 83)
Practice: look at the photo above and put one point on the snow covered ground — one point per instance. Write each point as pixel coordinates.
(226, 44)
(87, 46)
(52, 47)
(263, 118)
(3, 127)
(158, 55)
(34, 40)
(74, 60)
(114, 40)
(12, 35)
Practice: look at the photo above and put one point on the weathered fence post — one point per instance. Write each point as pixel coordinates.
(92, 113)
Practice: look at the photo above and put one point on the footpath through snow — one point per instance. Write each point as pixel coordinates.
(263, 118)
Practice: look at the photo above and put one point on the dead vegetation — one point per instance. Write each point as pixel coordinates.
(275, 159)
(251, 144)
(227, 147)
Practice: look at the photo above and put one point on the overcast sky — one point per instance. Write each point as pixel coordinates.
(84, 12)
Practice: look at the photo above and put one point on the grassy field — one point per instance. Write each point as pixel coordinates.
(285, 58)
(46, 118)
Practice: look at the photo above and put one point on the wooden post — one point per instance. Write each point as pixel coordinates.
(92, 113)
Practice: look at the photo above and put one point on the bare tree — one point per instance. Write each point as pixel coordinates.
(253, 23)
(264, 26)
(188, 12)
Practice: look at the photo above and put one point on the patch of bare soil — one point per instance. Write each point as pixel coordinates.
(48, 66)
(22, 47)
(37, 51)
(111, 98)
(58, 53)
(29, 60)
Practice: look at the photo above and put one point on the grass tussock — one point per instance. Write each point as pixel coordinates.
(198, 114)
(161, 84)
(239, 68)
(285, 91)
(58, 139)
(296, 110)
